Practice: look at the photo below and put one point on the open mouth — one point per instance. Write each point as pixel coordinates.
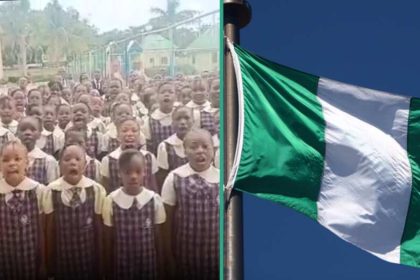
(73, 172)
(201, 160)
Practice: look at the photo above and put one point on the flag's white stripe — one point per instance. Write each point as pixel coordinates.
(366, 186)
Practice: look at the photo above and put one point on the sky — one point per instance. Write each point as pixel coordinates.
(120, 14)
(374, 44)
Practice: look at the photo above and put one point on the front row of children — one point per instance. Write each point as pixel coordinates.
(70, 229)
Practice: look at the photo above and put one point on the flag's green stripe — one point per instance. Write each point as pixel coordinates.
(410, 242)
(283, 151)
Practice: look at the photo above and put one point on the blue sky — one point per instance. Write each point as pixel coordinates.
(375, 44)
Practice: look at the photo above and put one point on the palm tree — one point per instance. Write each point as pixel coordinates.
(171, 15)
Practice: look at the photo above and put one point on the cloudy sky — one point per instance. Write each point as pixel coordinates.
(120, 14)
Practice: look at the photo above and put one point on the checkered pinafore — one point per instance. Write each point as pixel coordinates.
(92, 144)
(207, 122)
(174, 161)
(197, 227)
(115, 181)
(49, 145)
(38, 171)
(3, 139)
(19, 239)
(158, 133)
(90, 170)
(113, 144)
(135, 250)
(76, 250)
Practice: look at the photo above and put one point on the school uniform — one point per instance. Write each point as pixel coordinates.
(111, 137)
(5, 136)
(93, 169)
(97, 124)
(157, 128)
(171, 154)
(51, 141)
(42, 167)
(20, 210)
(109, 169)
(132, 219)
(202, 116)
(195, 196)
(12, 126)
(76, 210)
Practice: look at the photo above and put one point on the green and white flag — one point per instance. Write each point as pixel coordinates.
(346, 156)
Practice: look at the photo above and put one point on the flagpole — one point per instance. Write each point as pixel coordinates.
(237, 14)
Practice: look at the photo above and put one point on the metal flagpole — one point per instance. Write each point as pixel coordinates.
(237, 14)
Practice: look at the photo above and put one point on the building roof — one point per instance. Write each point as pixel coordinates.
(209, 39)
(156, 42)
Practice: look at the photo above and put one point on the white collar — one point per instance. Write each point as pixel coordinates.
(112, 130)
(125, 201)
(193, 105)
(3, 131)
(174, 140)
(61, 184)
(37, 153)
(211, 174)
(158, 114)
(26, 185)
(45, 132)
(116, 153)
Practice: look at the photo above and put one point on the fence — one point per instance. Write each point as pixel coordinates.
(156, 52)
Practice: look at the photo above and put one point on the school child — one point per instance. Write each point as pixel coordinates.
(7, 108)
(55, 88)
(97, 122)
(63, 116)
(171, 154)
(201, 106)
(42, 167)
(52, 138)
(158, 126)
(22, 222)
(76, 137)
(191, 197)
(95, 146)
(114, 88)
(73, 205)
(66, 96)
(20, 103)
(129, 137)
(79, 90)
(185, 94)
(119, 113)
(149, 98)
(54, 100)
(133, 216)
(214, 96)
(45, 93)
(34, 97)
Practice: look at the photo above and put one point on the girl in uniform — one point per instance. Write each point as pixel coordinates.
(22, 247)
(73, 206)
(52, 138)
(133, 216)
(191, 197)
(7, 108)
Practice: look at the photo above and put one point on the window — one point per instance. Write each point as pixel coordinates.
(152, 60)
(164, 60)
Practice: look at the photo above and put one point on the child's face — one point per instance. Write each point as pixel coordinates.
(66, 94)
(182, 122)
(20, 101)
(123, 98)
(55, 90)
(185, 95)
(54, 100)
(73, 164)
(80, 115)
(6, 112)
(85, 99)
(122, 112)
(214, 94)
(64, 115)
(128, 135)
(75, 138)
(49, 118)
(114, 88)
(199, 150)
(13, 164)
(23, 82)
(29, 132)
(35, 98)
(166, 96)
(45, 93)
(199, 94)
(97, 105)
(132, 176)
(81, 89)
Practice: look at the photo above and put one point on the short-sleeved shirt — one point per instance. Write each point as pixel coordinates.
(196, 111)
(52, 168)
(162, 153)
(26, 185)
(163, 118)
(211, 175)
(116, 154)
(12, 126)
(5, 132)
(58, 138)
(125, 201)
(67, 194)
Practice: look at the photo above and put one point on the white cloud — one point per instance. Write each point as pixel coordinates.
(120, 14)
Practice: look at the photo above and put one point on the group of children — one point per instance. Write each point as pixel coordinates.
(118, 186)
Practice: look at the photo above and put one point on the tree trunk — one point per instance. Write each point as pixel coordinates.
(22, 47)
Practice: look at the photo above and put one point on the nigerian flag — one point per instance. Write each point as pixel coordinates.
(346, 156)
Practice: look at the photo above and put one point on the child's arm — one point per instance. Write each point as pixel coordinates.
(160, 177)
